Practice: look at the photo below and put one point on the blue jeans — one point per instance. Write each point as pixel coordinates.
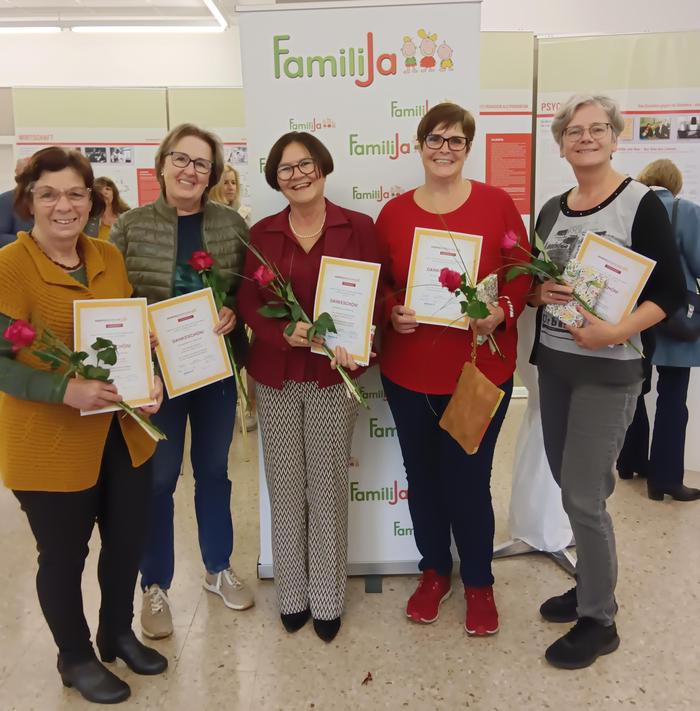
(448, 489)
(212, 413)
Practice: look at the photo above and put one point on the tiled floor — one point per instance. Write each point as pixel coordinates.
(220, 659)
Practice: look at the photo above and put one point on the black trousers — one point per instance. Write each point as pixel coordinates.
(62, 524)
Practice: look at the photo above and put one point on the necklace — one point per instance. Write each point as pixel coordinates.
(58, 264)
(311, 236)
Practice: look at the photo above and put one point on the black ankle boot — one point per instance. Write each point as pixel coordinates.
(561, 608)
(137, 656)
(294, 621)
(327, 629)
(678, 492)
(94, 681)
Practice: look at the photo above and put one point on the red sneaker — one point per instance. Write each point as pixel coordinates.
(432, 590)
(482, 615)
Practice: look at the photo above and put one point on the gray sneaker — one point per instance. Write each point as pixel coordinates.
(230, 589)
(156, 618)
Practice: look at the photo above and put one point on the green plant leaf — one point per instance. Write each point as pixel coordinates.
(311, 333)
(108, 356)
(539, 244)
(274, 310)
(545, 266)
(514, 272)
(477, 309)
(290, 328)
(464, 306)
(324, 324)
(469, 292)
(53, 360)
(78, 358)
(296, 311)
(94, 372)
(101, 343)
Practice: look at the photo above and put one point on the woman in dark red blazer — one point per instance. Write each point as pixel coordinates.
(306, 415)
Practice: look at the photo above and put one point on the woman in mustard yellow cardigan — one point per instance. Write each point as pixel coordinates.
(69, 471)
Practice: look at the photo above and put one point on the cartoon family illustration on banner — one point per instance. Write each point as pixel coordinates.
(428, 47)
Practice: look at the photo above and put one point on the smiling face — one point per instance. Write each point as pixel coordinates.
(300, 189)
(586, 151)
(62, 221)
(184, 187)
(444, 163)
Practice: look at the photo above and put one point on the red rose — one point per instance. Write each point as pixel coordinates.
(510, 239)
(450, 279)
(201, 261)
(20, 334)
(263, 275)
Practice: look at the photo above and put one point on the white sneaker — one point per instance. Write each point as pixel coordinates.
(230, 589)
(156, 618)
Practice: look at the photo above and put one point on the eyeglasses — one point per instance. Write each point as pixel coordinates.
(306, 167)
(48, 196)
(456, 143)
(182, 160)
(596, 131)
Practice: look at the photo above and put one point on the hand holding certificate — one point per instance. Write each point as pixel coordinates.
(346, 290)
(190, 354)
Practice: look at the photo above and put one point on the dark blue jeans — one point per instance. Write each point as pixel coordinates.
(212, 413)
(448, 489)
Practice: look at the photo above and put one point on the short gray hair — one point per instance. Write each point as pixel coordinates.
(563, 117)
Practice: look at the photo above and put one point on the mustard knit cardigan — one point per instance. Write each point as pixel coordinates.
(49, 446)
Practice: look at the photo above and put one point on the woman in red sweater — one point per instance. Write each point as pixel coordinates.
(420, 364)
(306, 417)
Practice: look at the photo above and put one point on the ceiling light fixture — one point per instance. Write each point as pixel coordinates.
(29, 29)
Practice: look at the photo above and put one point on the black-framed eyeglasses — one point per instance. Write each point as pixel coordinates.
(435, 141)
(307, 166)
(182, 160)
(596, 131)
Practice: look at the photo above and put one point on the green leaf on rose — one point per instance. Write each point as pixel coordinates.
(311, 333)
(95, 372)
(78, 358)
(53, 360)
(325, 324)
(545, 266)
(108, 356)
(290, 328)
(274, 310)
(101, 343)
(514, 272)
(477, 309)
(296, 311)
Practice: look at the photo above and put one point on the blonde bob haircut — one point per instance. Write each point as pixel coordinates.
(216, 194)
(566, 112)
(662, 173)
(182, 131)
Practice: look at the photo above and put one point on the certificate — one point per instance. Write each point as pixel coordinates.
(190, 354)
(432, 251)
(625, 270)
(346, 289)
(125, 323)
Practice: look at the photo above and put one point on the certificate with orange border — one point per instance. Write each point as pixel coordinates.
(346, 289)
(626, 273)
(432, 251)
(190, 354)
(125, 323)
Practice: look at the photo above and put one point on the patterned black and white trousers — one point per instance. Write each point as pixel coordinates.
(306, 436)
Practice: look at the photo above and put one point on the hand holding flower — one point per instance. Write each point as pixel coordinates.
(227, 321)
(89, 395)
(298, 338)
(551, 292)
(486, 326)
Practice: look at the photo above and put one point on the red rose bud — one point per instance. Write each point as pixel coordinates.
(450, 279)
(510, 239)
(201, 261)
(263, 275)
(20, 334)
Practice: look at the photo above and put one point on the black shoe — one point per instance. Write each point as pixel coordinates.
(137, 656)
(94, 681)
(327, 629)
(561, 608)
(587, 640)
(629, 473)
(679, 492)
(294, 621)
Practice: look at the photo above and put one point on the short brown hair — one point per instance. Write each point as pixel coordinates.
(118, 204)
(51, 160)
(316, 149)
(182, 131)
(663, 173)
(446, 114)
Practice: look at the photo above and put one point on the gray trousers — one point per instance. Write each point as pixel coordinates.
(306, 437)
(584, 425)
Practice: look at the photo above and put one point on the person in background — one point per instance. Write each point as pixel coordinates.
(114, 205)
(68, 471)
(449, 491)
(228, 192)
(589, 378)
(10, 222)
(673, 359)
(157, 242)
(306, 415)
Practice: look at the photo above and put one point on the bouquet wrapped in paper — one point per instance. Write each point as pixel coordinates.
(588, 283)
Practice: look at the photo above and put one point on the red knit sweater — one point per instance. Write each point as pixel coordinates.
(430, 359)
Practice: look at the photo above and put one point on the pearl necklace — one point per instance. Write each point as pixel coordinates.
(311, 236)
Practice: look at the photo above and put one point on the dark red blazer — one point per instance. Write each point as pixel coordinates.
(348, 234)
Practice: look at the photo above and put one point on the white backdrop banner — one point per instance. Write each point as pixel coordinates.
(359, 77)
